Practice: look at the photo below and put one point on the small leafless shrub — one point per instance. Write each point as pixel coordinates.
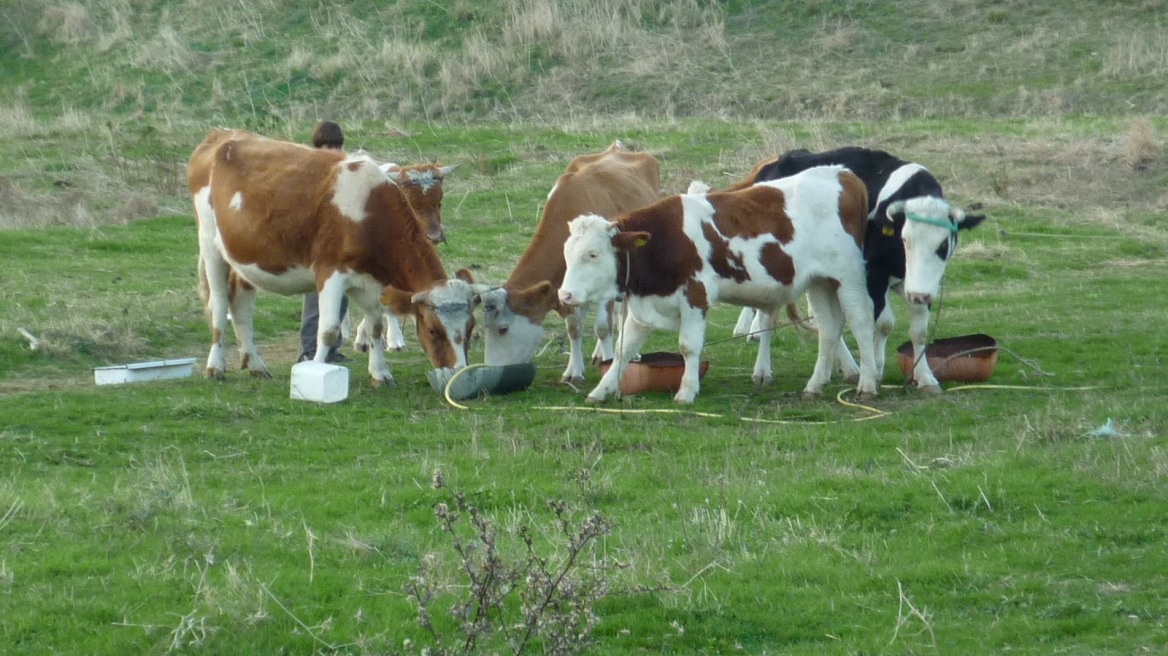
(510, 601)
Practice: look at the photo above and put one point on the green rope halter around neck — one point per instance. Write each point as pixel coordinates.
(949, 225)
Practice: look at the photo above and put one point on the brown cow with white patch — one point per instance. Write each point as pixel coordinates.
(293, 219)
(763, 247)
(604, 183)
(422, 186)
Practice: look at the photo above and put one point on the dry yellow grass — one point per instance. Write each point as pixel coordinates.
(1141, 148)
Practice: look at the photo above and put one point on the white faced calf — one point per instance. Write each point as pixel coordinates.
(763, 246)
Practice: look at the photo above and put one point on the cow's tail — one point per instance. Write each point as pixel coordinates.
(798, 320)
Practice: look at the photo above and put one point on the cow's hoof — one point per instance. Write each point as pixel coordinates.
(866, 397)
(809, 395)
(593, 400)
(388, 383)
(214, 374)
(571, 379)
(854, 379)
(930, 389)
(361, 348)
(683, 400)
(395, 349)
(759, 381)
(260, 373)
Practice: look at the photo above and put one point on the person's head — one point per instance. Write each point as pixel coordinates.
(328, 135)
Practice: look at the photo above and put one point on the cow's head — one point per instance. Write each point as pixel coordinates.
(422, 186)
(443, 315)
(928, 227)
(513, 322)
(591, 252)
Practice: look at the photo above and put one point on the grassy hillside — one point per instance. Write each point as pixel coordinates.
(103, 100)
(285, 60)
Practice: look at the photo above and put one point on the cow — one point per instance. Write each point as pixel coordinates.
(422, 186)
(912, 234)
(292, 219)
(762, 246)
(604, 184)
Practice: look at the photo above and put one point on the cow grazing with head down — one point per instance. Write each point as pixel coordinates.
(604, 184)
(911, 236)
(422, 186)
(763, 246)
(293, 219)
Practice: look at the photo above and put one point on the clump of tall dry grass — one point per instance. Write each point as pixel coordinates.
(1139, 53)
(1140, 149)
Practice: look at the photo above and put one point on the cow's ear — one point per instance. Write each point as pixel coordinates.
(444, 171)
(465, 276)
(894, 208)
(539, 297)
(399, 302)
(965, 221)
(628, 240)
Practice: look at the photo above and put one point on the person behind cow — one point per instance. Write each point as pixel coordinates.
(326, 135)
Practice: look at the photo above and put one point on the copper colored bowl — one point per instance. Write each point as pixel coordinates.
(965, 359)
(659, 371)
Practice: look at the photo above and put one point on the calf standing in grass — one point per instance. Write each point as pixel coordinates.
(762, 247)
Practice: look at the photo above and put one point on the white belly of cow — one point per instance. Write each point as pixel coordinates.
(296, 280)
(658, 312)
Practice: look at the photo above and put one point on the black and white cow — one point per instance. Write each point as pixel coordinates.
(911, 235)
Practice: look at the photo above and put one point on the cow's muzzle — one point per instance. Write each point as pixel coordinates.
(920, 299)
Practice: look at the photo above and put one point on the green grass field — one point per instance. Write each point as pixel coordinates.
(195, 517)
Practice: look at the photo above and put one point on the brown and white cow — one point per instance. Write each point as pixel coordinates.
(763, 246)
(293, 219)
(422, 185)
(604, 184)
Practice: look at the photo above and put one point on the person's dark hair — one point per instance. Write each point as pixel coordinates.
(328, 135)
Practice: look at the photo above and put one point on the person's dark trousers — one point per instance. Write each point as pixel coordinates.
(310, 323)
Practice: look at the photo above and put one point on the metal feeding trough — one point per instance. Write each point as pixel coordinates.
(964, 359)
(143, 371)
(658, 371)
(477, 380)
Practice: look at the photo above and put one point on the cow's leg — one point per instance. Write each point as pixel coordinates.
(742, 327)
(371, 328)
(363, 339)
(691, 336)
(849, 370)
(856, 305)
(603, 326)
(213, 273)
(762, 363)
(633, 336)
(243, 314)
(574, 373)
(395, 339)
(884, 324)
(829, 325)
(329, 326)
(918, 332)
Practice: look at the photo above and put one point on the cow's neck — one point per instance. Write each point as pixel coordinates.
(544, 257)
(415, 264)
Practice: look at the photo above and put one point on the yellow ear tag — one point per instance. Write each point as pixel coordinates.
(888, 231)
(639, 242)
